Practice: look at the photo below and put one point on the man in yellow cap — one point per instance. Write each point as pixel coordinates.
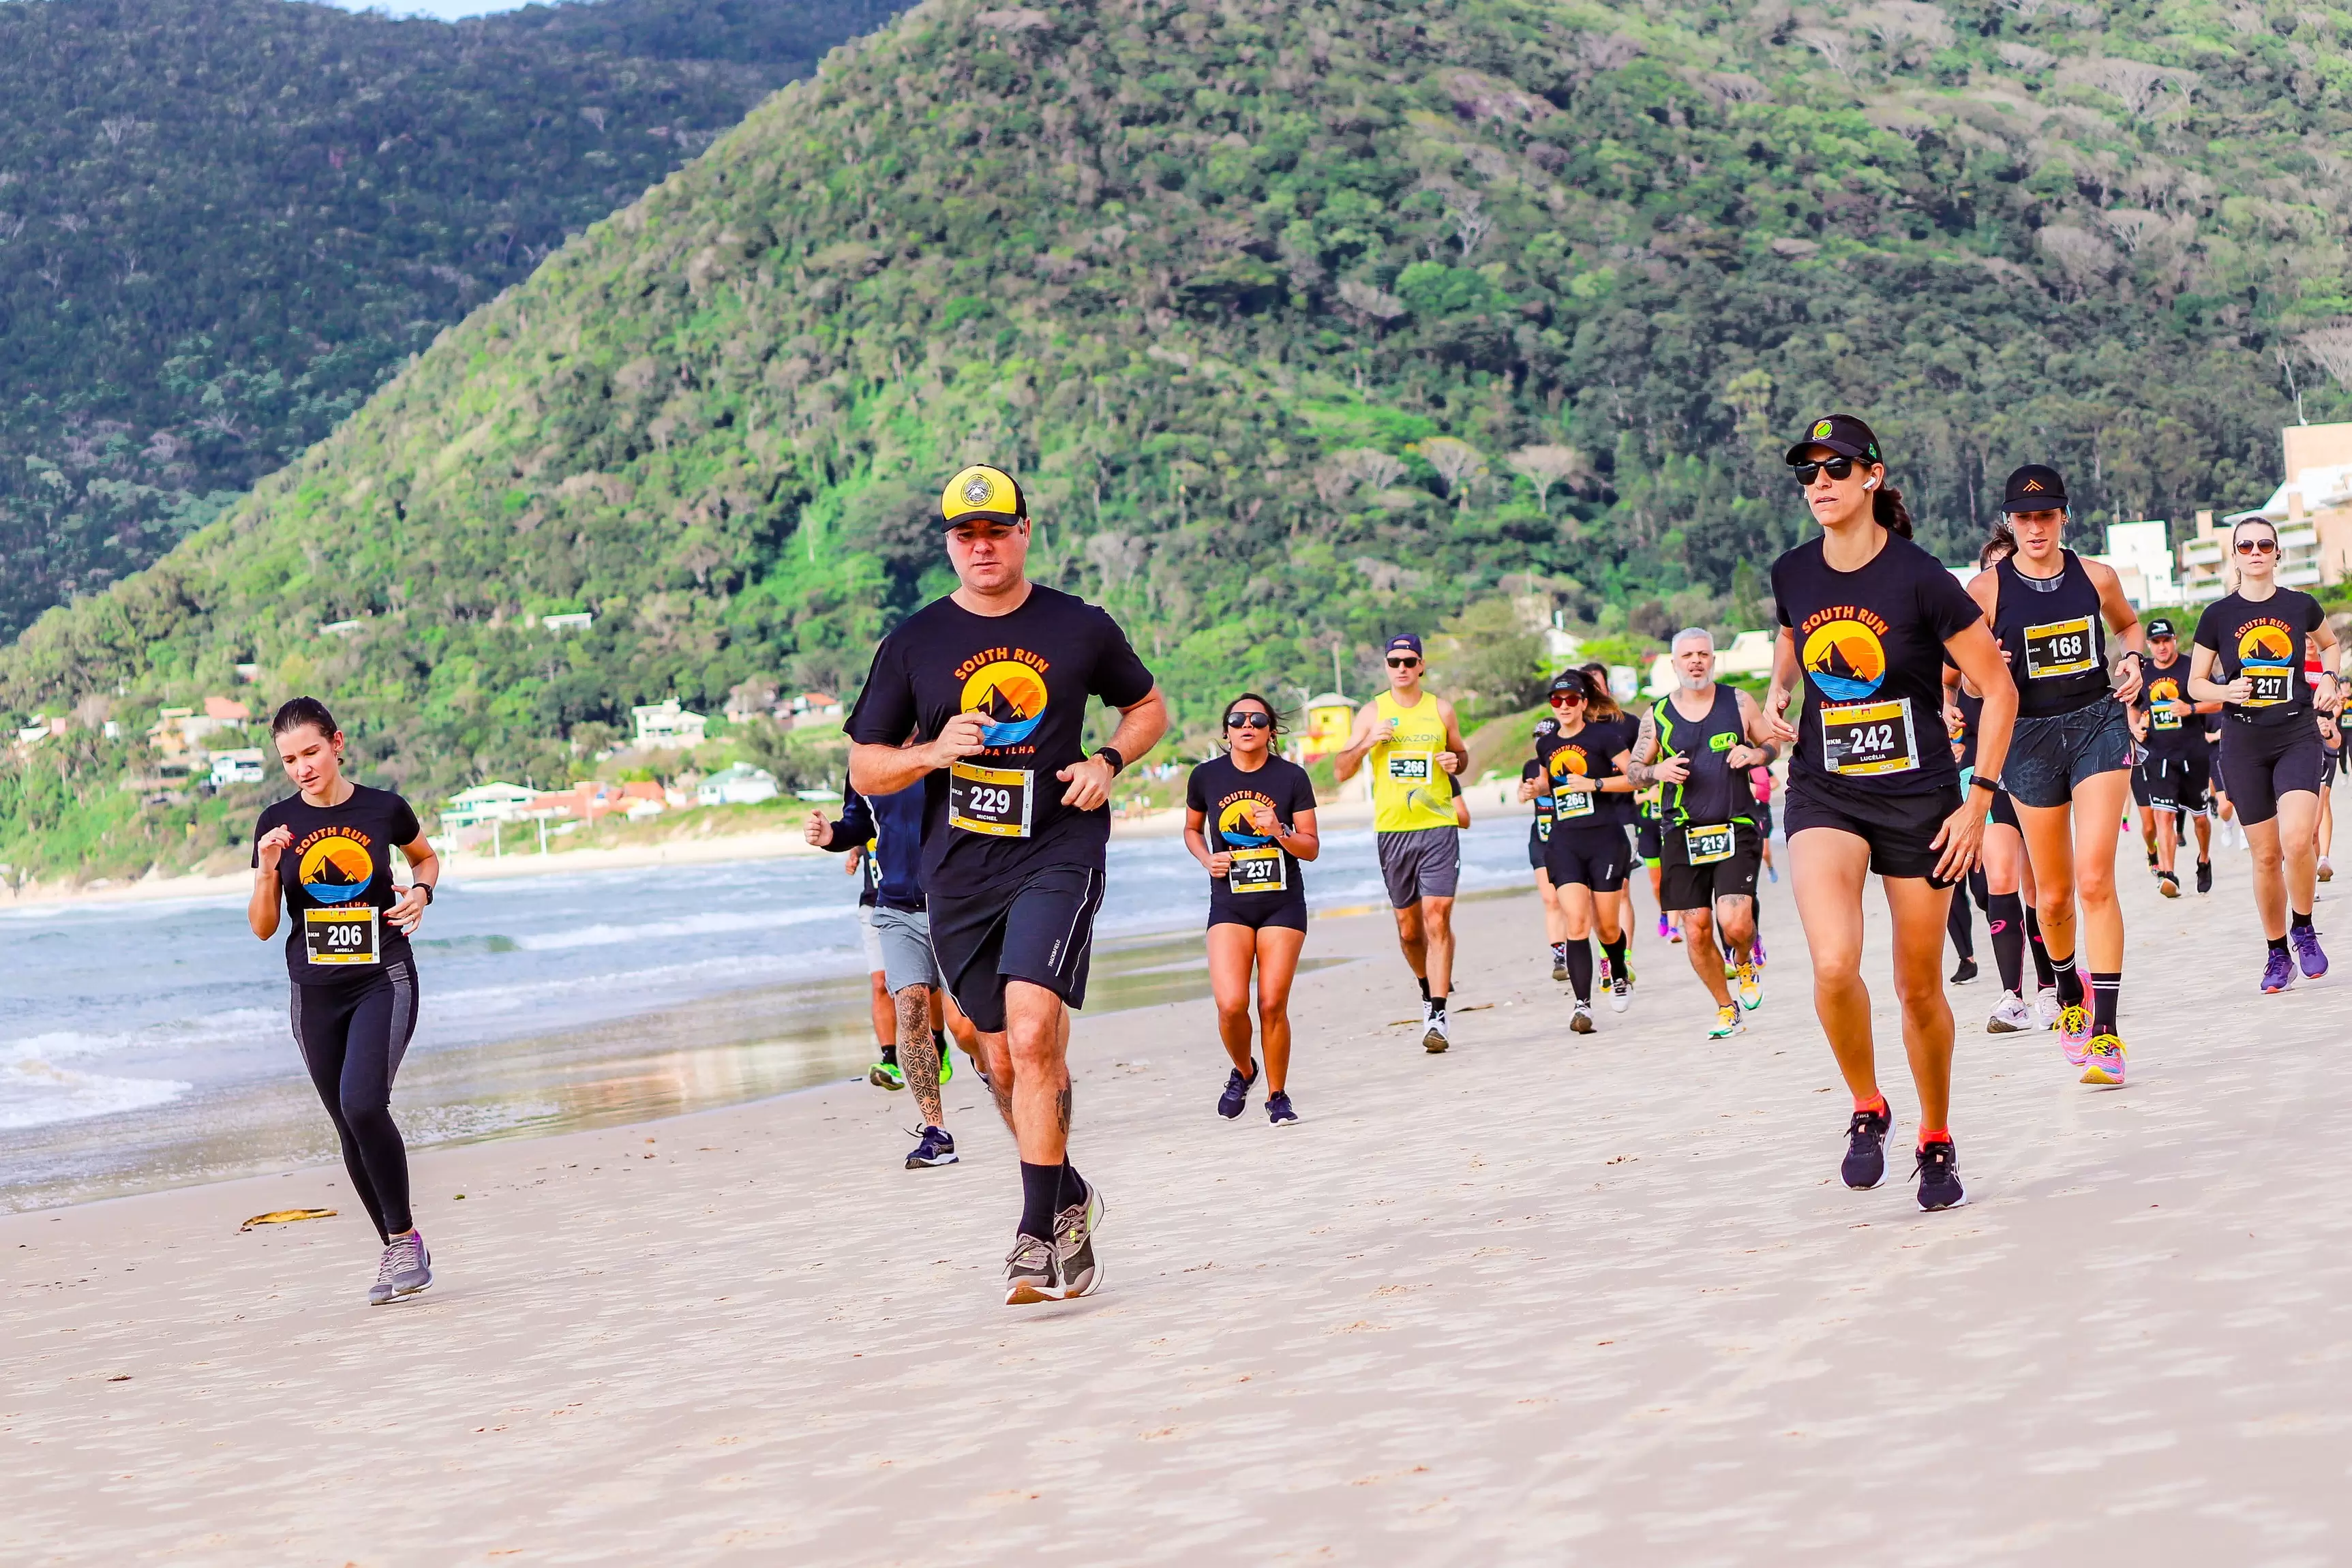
(992, 684)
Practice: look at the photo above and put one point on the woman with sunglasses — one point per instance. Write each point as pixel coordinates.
(2069, 765)
(1587, 857)
(1249, 819)
(2252, 639)
(1614, 911)
(1535, 786)
(1866, 620)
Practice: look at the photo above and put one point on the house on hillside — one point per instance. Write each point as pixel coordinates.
(486, 803)
(741, 784)
(244, 765)
(668, 726)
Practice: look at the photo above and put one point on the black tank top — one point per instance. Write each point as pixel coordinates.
(1712, 792)
(2055, 638)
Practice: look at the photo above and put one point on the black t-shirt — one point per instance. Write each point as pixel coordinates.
(2264, 641)
(337, 875)
(2162, 684)
(1223, 794)
(1870, 644)
(1591, 752)
(1971, 720)
(998, 815)
(1533, 768)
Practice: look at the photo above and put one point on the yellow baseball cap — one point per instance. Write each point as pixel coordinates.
(981, 493)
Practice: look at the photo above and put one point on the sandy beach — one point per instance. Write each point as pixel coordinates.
(1542, 1300)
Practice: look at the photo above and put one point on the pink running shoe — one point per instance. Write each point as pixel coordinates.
(2074, 1033)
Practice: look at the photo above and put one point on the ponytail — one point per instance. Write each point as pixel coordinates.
(1887, 506)
(1999, 544)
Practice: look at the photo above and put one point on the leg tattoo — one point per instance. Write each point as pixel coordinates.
(1062, 1109)
(919, 1053)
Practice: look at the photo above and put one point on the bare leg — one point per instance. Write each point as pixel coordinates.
(1037, 1039)
(1612, 914)
(2168, 842)
(1410, 937)
(1553, 930)
(1829, 868)
(1706, 962)
(1437, 919)
(1737, 916)
(1277, 964)
(1232, 950)
(1918, 912)
(919, 1053)
(2050, 847)
(2297, 825)
(2099, 799)
(2203, 826)
(885, 1011)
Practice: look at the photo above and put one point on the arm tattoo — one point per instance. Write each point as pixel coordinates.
(1645, 745)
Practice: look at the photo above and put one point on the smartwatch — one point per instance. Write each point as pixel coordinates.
(1110, 754)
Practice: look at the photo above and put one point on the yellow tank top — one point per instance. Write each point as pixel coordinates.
(1409, 789)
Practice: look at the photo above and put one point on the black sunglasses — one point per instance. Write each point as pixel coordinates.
(1405, 663)
(1839, 469)
(1239, 720)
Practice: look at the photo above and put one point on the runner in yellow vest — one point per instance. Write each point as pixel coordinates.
(1415, 747)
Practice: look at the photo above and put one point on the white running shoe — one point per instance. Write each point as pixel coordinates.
(1580, 1021)
(1434, 1038)
(1620, 995)
(2045, 1009)
(2013, 1016)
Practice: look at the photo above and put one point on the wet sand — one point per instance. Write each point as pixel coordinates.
(1545, 1298)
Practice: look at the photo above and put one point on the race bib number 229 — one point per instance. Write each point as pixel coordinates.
(993, 800)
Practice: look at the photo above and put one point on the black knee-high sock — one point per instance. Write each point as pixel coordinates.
(2040, 953)
(2105, 991)
(1074, 1191)
(2069, 980)
(1041, 1186)
(1960, 928)
(2005, 918)
(1580, 967)
(1616, 952)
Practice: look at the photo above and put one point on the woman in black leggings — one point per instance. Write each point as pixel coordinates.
(325, 856)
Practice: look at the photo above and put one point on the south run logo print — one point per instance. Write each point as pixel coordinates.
(2163, 689)
(1233, 823)
(336, 868)
(1569, 759)
(1011, 695)
(1844, 656)
(2266, 642)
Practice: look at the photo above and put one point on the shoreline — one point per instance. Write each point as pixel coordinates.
(759, 844)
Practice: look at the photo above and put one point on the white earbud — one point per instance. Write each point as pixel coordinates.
(1869, 484)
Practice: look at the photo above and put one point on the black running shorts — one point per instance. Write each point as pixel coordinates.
(2004, 810)
(1684, 886)
(1593, 857)
(1536, 836)
(1041, 930)
(2139, 781)
(2327, 761)
(2263, 761)
(2177, 783)
(1257, 910)
(1645, 840)
(2049, 757)
(1899, 828)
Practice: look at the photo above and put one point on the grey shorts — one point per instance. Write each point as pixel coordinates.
(905, 937)
(1419, 863)
(872, 938)
(2048, 757)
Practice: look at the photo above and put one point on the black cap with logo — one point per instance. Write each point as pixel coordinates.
(1841, 434)
(1572, 683)
(2160, 627)
(2034, 488)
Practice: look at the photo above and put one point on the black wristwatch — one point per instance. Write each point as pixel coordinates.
(1110, 754)
(1993, 785)
(428, 891)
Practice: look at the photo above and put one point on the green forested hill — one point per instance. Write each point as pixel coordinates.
(1303, 321)
(223, 223)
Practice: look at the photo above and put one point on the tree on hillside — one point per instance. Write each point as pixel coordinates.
(1458, 463)
(1547, 466)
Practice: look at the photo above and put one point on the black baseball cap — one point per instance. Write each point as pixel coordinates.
(2033, 488)
(1404, 640)
(1841, 434)
(2160, 627)
(1570, 683)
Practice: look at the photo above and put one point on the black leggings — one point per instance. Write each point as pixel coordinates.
(352, 1037)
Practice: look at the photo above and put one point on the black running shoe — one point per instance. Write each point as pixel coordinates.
(2204, 876)
(1966, 971)
(1236, 1095)
(1074, 1244)
(1865, 1150)
(1938, 1170)
(936, 1148)
(1278, 1112)
(1030, 1273)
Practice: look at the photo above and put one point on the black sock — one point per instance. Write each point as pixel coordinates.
(1580, 967)
(2041, 952)
(2278, 945)
(890, 1055)
(1040, 1187)
(2298, 921)
(1960, 928)
(2104, 989)
(1616, 952)
(1437, 1006)
(2069, 980)
(2005, 921)
(1074, 1191)
(1425, 986)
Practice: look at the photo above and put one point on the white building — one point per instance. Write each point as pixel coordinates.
(486, 803)
(740, 784)
(576, 621)
(244, 765)
(666, 724)
(2141, 554)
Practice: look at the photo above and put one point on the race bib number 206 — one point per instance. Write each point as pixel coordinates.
(343, 935)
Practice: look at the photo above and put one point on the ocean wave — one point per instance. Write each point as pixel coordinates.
(714, 922)
(36, 1093)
